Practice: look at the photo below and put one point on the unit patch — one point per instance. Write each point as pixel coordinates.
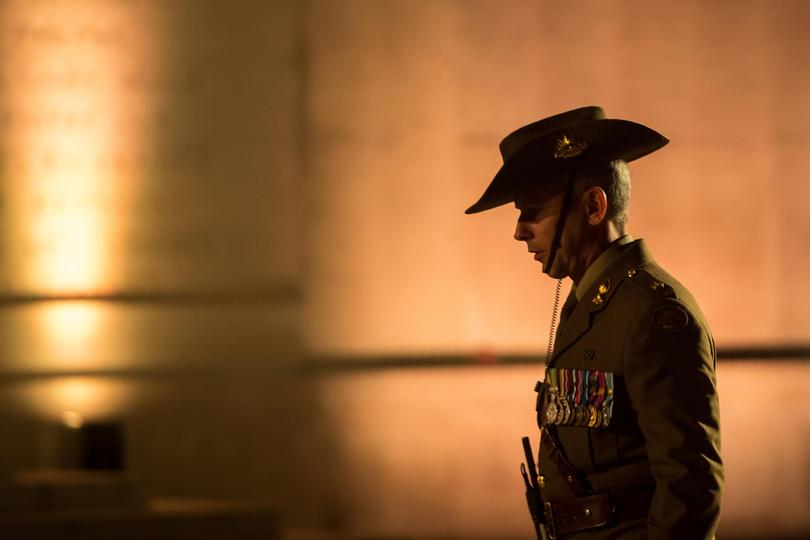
(670, 318)
(578, 397)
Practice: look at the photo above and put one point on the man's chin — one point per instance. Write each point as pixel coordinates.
(554, 273)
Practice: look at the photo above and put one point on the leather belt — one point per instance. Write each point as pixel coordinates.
(564, 516)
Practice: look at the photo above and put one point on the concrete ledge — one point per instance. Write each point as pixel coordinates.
(160, 519)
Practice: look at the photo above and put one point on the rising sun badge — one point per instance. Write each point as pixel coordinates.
(568, 147)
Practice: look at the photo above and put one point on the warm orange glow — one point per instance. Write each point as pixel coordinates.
(75, 335)
(75, 400)
(66, 95)
(70, 330)
(410, 426)
(70, 254)
(65, 237)
(72, 419)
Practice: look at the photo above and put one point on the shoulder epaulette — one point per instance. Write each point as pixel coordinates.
(668, 314)
(649, 283)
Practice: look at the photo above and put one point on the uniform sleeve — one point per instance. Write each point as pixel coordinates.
(670, 374)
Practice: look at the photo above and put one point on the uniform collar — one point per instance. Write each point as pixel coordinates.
(597, 267)
(620, 266)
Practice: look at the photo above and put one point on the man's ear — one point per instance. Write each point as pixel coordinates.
(595, 204)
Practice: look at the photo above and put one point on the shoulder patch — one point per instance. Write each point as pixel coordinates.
(670, 318)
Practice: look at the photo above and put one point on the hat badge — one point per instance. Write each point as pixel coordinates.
(568, 147)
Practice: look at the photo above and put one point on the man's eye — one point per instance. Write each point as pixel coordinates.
(529, 214)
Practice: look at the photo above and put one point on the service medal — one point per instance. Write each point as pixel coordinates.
(575, 415)
(586, 416)
(593, 416)
(574, 408)
(578, 416)
(572, 411)
(607, 406)
(551, 411)
(605, 417)
(566, 412)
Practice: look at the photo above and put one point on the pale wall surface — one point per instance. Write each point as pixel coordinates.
(408, 101)
(435, 452)
(151, 161)
(239, 188)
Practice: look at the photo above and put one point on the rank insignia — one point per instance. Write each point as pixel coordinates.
(578, 397)
(670, 318)
(604, 287)
(569, 147)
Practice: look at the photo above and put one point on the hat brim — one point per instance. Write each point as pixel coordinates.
(607, 139)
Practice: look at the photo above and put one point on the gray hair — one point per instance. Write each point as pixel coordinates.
(614, 178)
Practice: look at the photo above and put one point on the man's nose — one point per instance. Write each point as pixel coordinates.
(522, 233)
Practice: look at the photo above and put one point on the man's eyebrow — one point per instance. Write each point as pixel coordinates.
(528, 204)
(529, 213)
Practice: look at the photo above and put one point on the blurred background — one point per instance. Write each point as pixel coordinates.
(239, 297)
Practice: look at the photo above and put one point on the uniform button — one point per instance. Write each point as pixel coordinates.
(587, 512)
(541, 480)
(570, 478)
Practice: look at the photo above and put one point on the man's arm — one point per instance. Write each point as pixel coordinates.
(670, 374)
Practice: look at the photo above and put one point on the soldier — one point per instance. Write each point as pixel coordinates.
(628, 411)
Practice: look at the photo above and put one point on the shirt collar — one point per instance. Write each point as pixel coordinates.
(604, 260)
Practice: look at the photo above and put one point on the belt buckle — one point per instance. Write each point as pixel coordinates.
(551, 526)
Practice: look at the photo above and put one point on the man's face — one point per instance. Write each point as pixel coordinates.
(536, 225)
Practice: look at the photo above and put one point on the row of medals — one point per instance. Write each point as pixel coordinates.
(560, 412)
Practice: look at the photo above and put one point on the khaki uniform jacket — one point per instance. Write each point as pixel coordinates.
(648, 331)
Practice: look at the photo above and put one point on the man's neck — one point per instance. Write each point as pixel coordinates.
(591, 251)
(602, 262)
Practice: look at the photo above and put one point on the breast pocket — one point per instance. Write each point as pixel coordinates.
(576, 446)
(604, 449)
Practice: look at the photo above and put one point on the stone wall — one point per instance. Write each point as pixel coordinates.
(198, 201)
